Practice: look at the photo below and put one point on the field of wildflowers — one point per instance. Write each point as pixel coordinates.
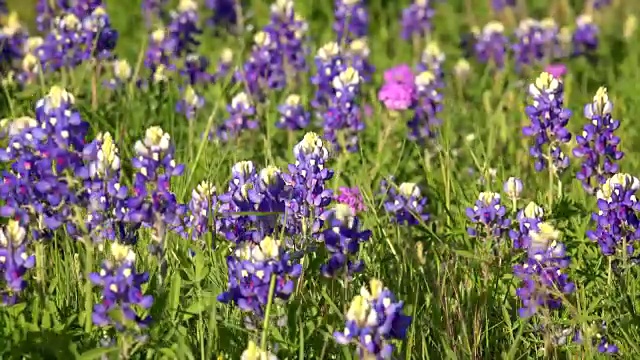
(348, 179)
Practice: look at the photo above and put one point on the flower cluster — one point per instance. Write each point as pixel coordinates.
(329, 62)
(342, 238)
(351, 197)
(617, 220)
(290, 31)
(14, 261)
(293, 115)
(544, 284)
(405, 203)
(201, 209)
(491, 44)
(427, 105)
(488, 216)
(585, 36)
(122, 300)
(241, 117)
(351, 20)
(527, 220)
(598, 146)
(549, 119)
(373, 320)
(343, 119)
(264, 70)
(416, 19)
(397, 92)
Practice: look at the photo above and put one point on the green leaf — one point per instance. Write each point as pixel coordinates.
(96, 353)
(174, 293)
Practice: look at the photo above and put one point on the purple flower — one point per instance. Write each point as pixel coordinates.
(598, 146)
(427, 104)
(342, 239)
(404, 203)
(293, 115)
(616, 221)
(224, 11)
(556, 70)
(351, 20)
(329, 63)
(357, 56)
(400, 74)
(416, 19)
(351, 197)
(373, 321)
(190, 103)
(432, 60)
(241, 117)
(153, 11)
(543, 281)
(14, 261)
(396, 96)
(549, 119)
(527, 220)
(122, 294)
(491, 45)
(183, 29)
(202, 207)
(264, 70)
(585, 36)
(499, 5)
(488, 216)
(195, 70)
(530, 46)
(344, 115)
(251, 268)
(290, 31)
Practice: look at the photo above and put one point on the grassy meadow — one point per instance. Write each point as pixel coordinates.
(459, 291)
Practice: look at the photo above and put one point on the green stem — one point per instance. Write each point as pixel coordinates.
(265, 324)
(88, 296)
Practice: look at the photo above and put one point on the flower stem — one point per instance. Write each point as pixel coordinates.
(265, 324)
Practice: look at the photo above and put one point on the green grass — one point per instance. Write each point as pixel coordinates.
(461, 296)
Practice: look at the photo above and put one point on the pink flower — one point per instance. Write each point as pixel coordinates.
(401, 74)
(396, 96)
(557, 70)
(351, 197)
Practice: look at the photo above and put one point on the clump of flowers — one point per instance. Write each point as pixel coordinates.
(201, 209)
(488, 216)
(598, 146)
(416, 19)
(527, 220)
(616, 220)
(544, 282)
(264, 70)
(329, 63)
(190, 103)
(351, 20)
(255, 270)
(405, 203)
(397, 92)
(241, 117)
(427, 105)
(357, 56)
(373, 320)
(122, 302)
(585, 36)
(293, 115)
(491, 44)
(432, 60)
(351, 197)
(549, 119)
(15, 261)
(343, 119)
(342, 238)
(290, 30)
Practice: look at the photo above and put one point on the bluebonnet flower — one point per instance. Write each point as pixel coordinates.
(12, 41)
(373, 321)
(307, 179)
(122, 74)
(598, 146)
(543, 280)
(195, 70)
(552, 39)
(14, 261)
(225, 63)
(427, 105)
(488, 216)
(432, 60)
(264, 70)
(513, 188)
(107, 195)
(416, 19)
(599, 4)
(44, 15)
(527, 220)
(30, 66)
(224, 12)
(152, 203)
(153, 11)
(159, 53)
(190, 103)
(585, 36)
(405, 204)
(253, 352)
(289, 30)
(99, 38)
(343, 119)
(202, 206)
(342, 239)
(530, 46)
(251, 268)
(357, 56)
(352, 197)
(241, 117)
(491, 45)
(329, 63)
(616, 220)
(183, 29)
(122, 300)
(549, 119)
(293, 115)
(351, 20)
